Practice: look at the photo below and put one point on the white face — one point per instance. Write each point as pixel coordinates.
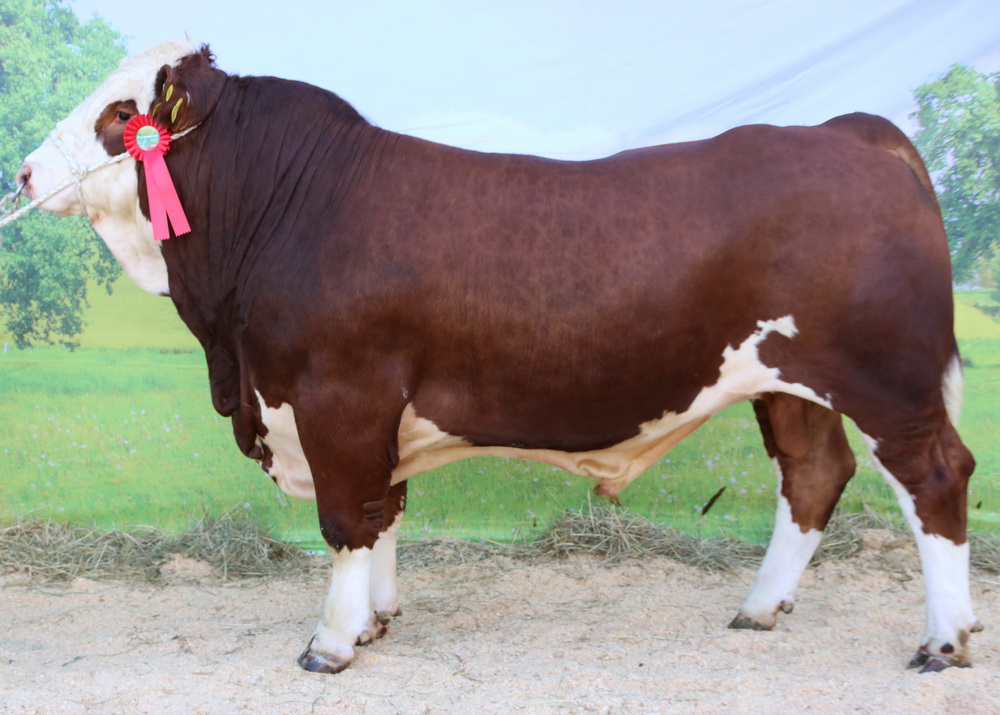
(109, 194)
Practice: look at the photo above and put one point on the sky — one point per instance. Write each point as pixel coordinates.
(578, 79)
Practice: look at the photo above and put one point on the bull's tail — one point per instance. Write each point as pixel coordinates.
(952, 386)
(882, 133)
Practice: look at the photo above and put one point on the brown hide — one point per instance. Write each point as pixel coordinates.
(525, 302)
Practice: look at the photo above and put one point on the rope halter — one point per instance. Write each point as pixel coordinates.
(78, 174)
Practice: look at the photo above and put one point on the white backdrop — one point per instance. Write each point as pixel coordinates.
(582, 78)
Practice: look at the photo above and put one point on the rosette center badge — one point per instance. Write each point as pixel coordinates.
(147, 137)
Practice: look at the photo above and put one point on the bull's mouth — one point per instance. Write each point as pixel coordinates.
(60, 204)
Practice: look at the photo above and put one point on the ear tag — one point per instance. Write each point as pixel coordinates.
(147, 141)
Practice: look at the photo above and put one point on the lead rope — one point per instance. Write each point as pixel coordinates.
(14, 213)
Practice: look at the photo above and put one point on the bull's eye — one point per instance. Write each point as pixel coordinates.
(124, 116)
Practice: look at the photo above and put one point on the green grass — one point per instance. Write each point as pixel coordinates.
(122, 438)
(130, 317)
(121, 432)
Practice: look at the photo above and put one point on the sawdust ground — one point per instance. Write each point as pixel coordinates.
(644, 636)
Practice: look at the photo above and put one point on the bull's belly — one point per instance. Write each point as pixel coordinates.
(423, 446)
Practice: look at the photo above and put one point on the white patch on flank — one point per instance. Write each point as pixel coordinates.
(347, 613)
(423, 446)
(945, 566)
(289, 467)
(786, 559)
(951, 389)
(385, 595)
(109, 195)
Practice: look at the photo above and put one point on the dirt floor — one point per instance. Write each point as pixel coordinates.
(643, 636)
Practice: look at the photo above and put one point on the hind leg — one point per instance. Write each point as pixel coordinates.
(813, 462)
(929, 470)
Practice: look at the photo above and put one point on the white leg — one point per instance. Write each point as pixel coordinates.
(945, 565)
(348, 617)
(384, 593)
(786, 559)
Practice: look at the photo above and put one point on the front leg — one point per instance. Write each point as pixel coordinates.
(384, 592)
(348, 617)
(362, 599)
(359, 516)
(362, 596)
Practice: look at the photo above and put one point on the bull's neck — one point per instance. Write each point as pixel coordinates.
(251, 196)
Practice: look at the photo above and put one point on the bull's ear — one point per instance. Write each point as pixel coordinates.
(187, 94)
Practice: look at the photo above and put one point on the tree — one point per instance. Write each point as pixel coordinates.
(49, 62)
(990, 276)
(959, 138)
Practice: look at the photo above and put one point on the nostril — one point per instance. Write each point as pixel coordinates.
(23, 175)
(22, 181)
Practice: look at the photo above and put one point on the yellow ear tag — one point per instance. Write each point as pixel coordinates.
(173, 114)
(170, 92)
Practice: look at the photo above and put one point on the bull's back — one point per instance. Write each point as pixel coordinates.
(649, 244)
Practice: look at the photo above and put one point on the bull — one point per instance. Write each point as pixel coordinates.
(372, 306)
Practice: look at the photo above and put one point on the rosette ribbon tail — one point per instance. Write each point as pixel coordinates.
(147, 141)
(164, 203)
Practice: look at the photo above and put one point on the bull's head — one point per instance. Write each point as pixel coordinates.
(93, 133)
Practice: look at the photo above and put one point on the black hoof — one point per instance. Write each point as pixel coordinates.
(919, 659)
(746, 623)
(320, 662)
(934, 665)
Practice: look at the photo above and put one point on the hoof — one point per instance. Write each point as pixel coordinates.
(936, 663)
(379, 627)
(749, 624)
(370, 636)
(321, 662)
(919, 659)
(384, 617)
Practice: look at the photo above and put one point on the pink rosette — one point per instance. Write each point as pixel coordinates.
(147, 141)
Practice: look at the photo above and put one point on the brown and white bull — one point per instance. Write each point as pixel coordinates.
(372, 305)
